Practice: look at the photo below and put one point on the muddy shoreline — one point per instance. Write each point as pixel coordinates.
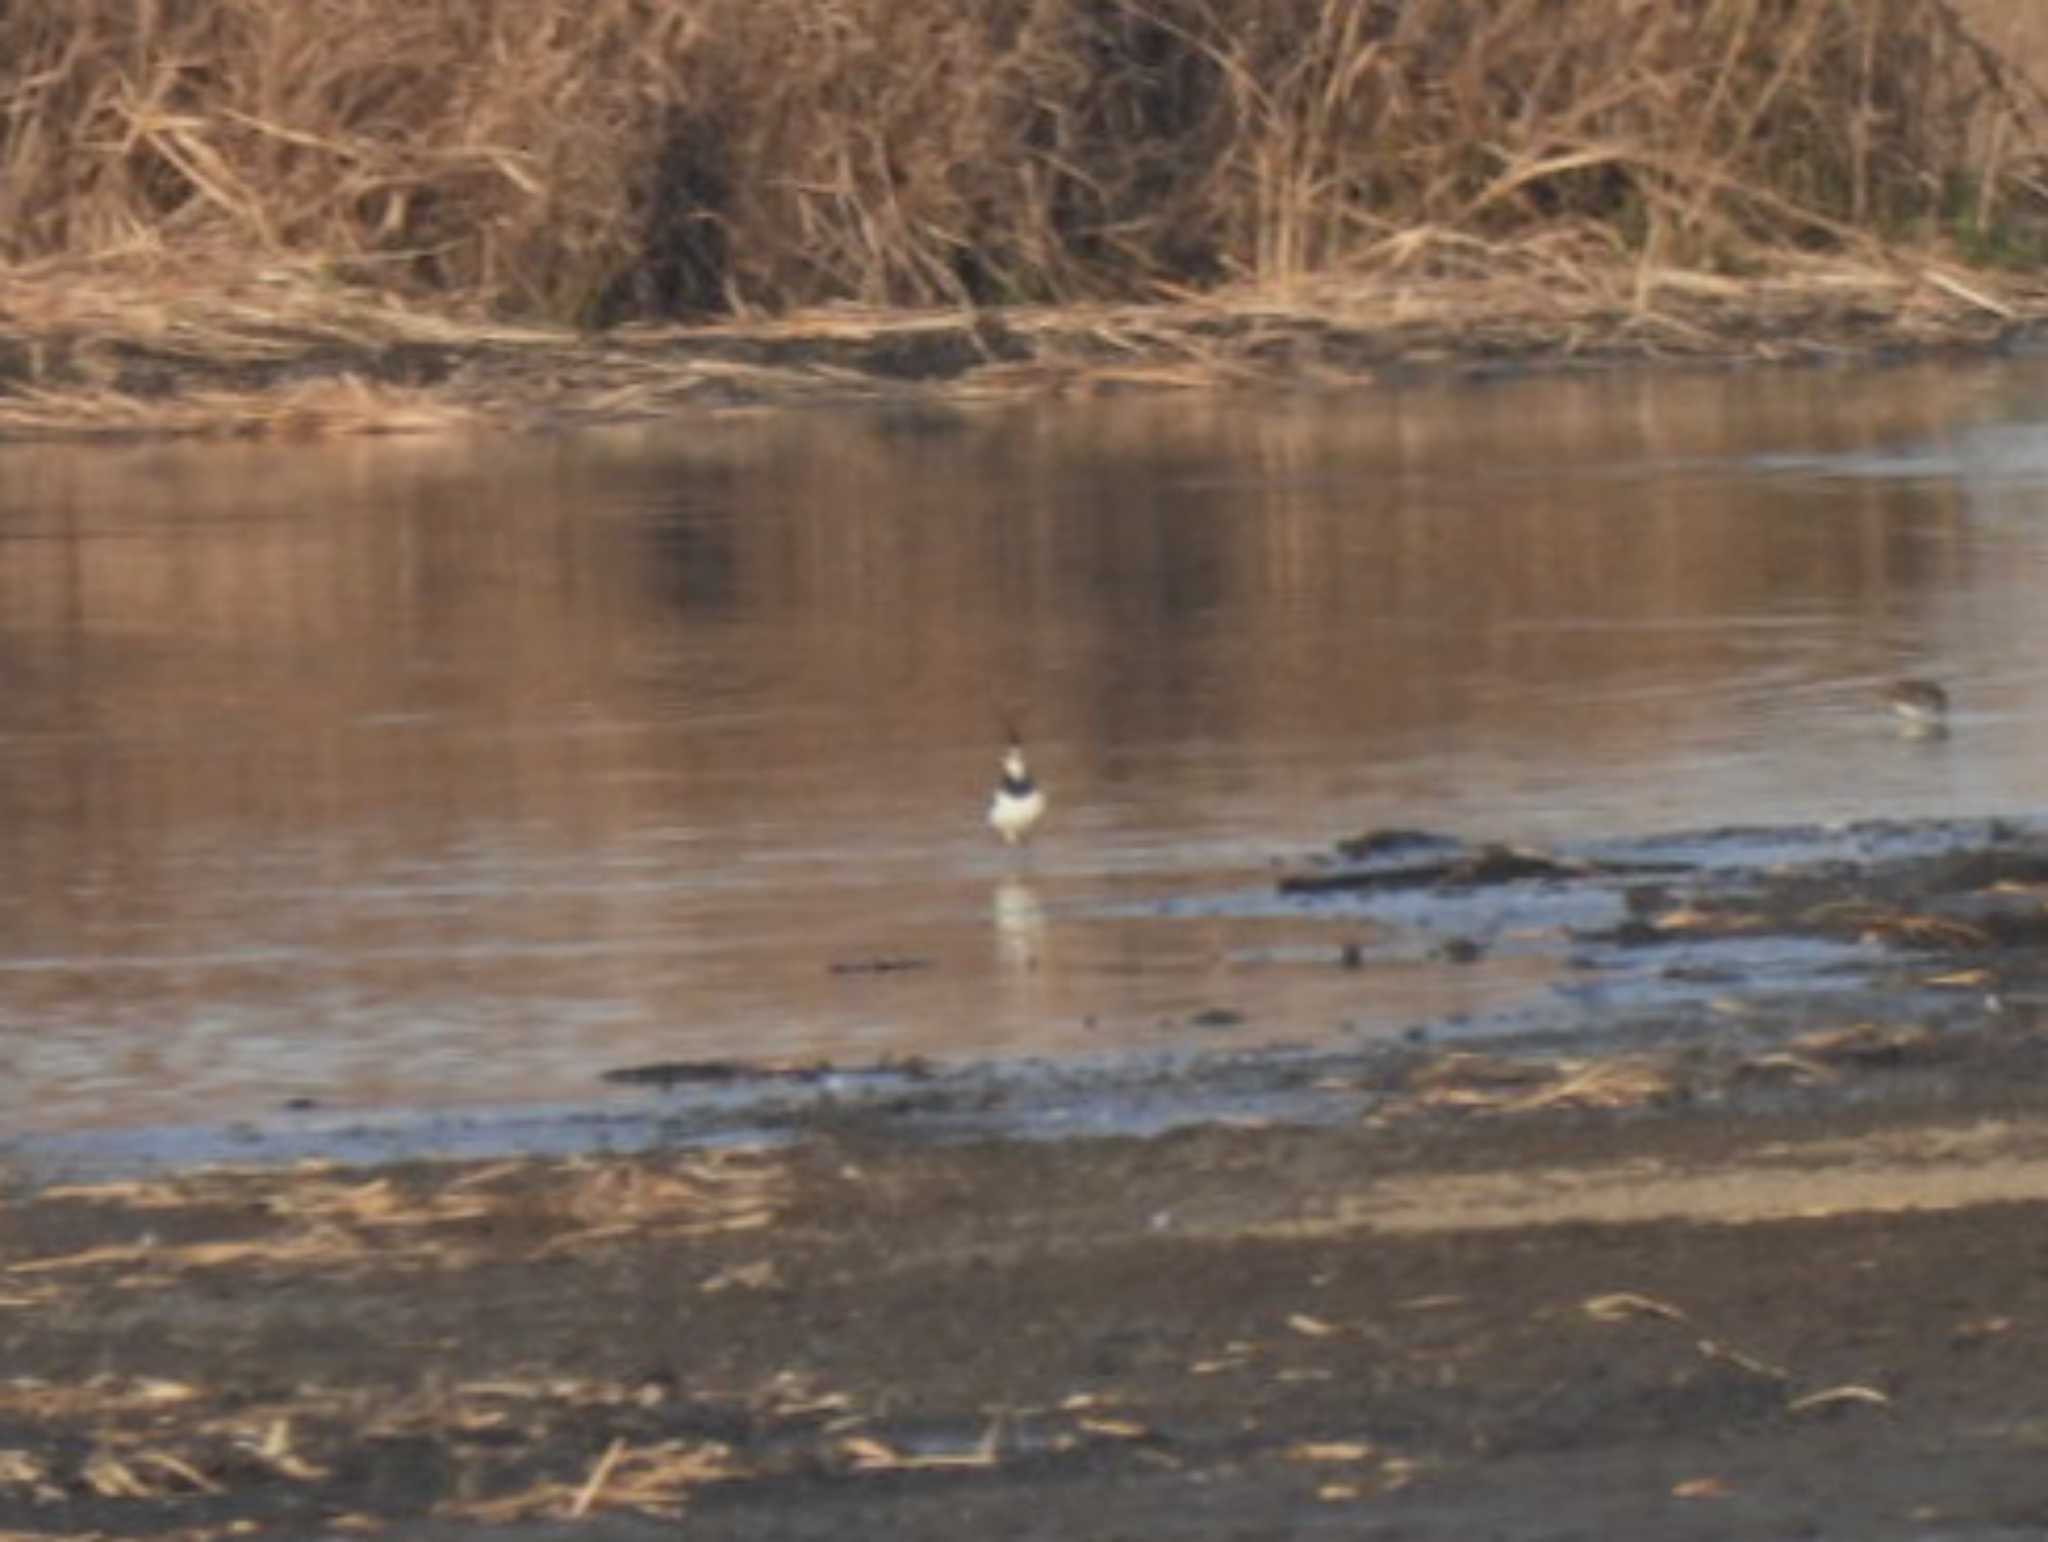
(280, 353)
(1757, 1272)
(1822, 1322)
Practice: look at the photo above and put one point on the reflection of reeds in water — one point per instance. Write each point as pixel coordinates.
(372, 653)
(1276, 587)
(261, 696)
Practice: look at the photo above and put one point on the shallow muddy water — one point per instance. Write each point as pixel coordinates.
(402, 774)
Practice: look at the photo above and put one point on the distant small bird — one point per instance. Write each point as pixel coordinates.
(1920, 705)
(1019, 802)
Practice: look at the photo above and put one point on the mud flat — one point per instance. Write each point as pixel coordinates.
(1780, 1279)
(1824, 1321)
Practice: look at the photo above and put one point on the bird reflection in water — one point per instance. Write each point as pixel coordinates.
(1020, 926)
(1919, 706)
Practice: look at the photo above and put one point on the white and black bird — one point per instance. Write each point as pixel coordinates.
(1019, 802)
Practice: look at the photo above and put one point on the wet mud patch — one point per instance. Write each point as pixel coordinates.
(1715, 969)
(1762, 1266)
(1732, 931)
(1204, 1334)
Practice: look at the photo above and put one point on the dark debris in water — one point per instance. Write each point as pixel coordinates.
(1962, 901)
(1761, 932)
(1396, 843)
(1414, 859)
(1939, 887)
(665, 1074)
(701, 1073)
(884, 964)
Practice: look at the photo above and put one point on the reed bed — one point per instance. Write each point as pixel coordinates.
(322, 216)
(642, 158)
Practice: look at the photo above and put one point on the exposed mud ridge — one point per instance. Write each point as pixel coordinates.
(84, 353)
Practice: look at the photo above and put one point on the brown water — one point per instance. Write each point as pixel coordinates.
(409, 773)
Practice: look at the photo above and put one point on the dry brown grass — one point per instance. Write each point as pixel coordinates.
(117, 348)
(643, 157)
(1472, 1083)
(319, 1221)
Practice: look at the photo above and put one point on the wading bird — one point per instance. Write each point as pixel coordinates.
(1019, 802)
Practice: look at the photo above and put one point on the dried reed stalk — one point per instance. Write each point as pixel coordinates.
(657, 157)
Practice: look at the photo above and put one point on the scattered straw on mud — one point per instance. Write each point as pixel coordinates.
(1492, 1084)
(344, 405)
(653, 1480)
(1627, 1306)
(156, 1438)
(118, 351)
(1871, 1044)
(1875, 922)
(1471, 1083)
(315, 1220)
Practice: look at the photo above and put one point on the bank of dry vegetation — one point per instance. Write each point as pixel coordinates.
(288, 190)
